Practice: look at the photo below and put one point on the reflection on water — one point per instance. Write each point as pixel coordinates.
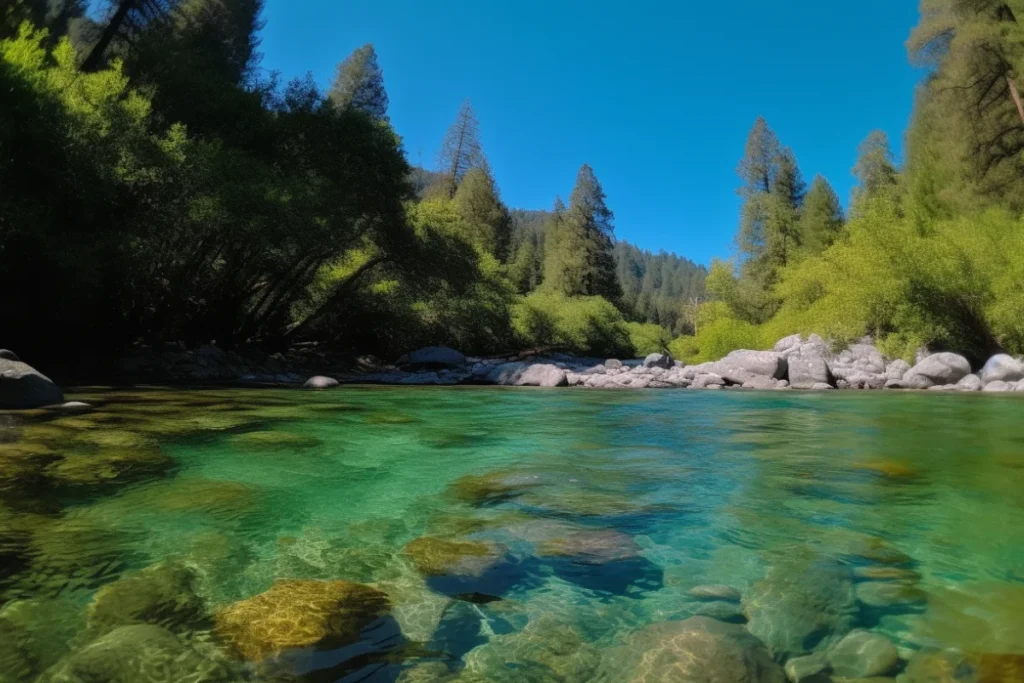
(465, 534)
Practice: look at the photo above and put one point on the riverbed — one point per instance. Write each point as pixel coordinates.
(512, 534)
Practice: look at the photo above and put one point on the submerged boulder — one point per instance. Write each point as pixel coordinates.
(162, 595)
(862, 654)
(22, 386)
(435, 556)
(697, 650)
(297, 614)
(800, 606)
(138, 654)
(591, 546)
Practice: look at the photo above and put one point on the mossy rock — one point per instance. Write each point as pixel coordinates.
(23, 463)
(582, 503)
(270, 441)
(300, 614)
(548, 649)
(138, 654)
(435, 556)
(34, 635)
(493, 487)
(72, 553)
(161, 594)
(591, 546)
(224, 499)
(116, 465)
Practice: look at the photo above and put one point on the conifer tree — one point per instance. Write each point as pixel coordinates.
(821, 219)
(359, 83)
(479, 205)
(580, 262)
(875, 172)
(460, 150)
(782, 236)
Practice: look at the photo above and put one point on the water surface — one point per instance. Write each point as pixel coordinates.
(590, 515)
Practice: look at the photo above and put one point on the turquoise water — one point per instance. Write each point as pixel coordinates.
(558, 525)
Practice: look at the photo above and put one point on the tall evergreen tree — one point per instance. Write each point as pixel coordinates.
(580, 262)
(478, 203)
(359, 83)
(821, 219)
(460, 150)
(786, 197)
(875, 172)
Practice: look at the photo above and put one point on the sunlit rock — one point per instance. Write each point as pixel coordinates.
(697, 650)
(300, 614)
(862, 654)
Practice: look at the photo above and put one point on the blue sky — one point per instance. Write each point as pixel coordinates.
(657, 96)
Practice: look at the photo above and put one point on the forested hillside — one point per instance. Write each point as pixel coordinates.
(156, 186)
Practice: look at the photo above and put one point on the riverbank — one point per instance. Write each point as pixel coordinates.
(794, 363)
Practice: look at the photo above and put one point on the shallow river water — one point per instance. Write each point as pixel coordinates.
(483, 534)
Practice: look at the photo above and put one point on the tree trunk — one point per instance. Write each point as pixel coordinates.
(95, 59)
(1015, 94)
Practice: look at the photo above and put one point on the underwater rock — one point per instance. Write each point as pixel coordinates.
(34, 635)
(162, 595)
(283, 442)
(300, 614)
(715, 592)
(75, 552)
(22, 463)
(897, 574)
(886, 594)
(722, 610)
(697, 650)
(598, 546)
(808, 669)
(138, 654)
(862, 654)
(108, 466)
(226, 499)
(493, 487)
(800, 606)
(548, 649)
(454, 567)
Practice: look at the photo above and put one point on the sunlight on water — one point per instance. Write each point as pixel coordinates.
(468, 534)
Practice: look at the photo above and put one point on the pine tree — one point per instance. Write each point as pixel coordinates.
(460, 150)
(782, 236)
(821, 219)
(488, 219)
(359, 83)
(580, 262)
(875, 172)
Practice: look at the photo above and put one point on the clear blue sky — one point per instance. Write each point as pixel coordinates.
(657, 96)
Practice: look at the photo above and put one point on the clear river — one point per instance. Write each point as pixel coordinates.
(498, 534)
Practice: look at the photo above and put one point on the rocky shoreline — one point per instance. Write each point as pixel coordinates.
(793, 363)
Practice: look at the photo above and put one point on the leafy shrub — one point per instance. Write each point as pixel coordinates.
(648, 338)
(587, 325)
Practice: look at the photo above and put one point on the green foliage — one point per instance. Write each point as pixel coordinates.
(715, 339)
(648, 338)
(585, 325)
